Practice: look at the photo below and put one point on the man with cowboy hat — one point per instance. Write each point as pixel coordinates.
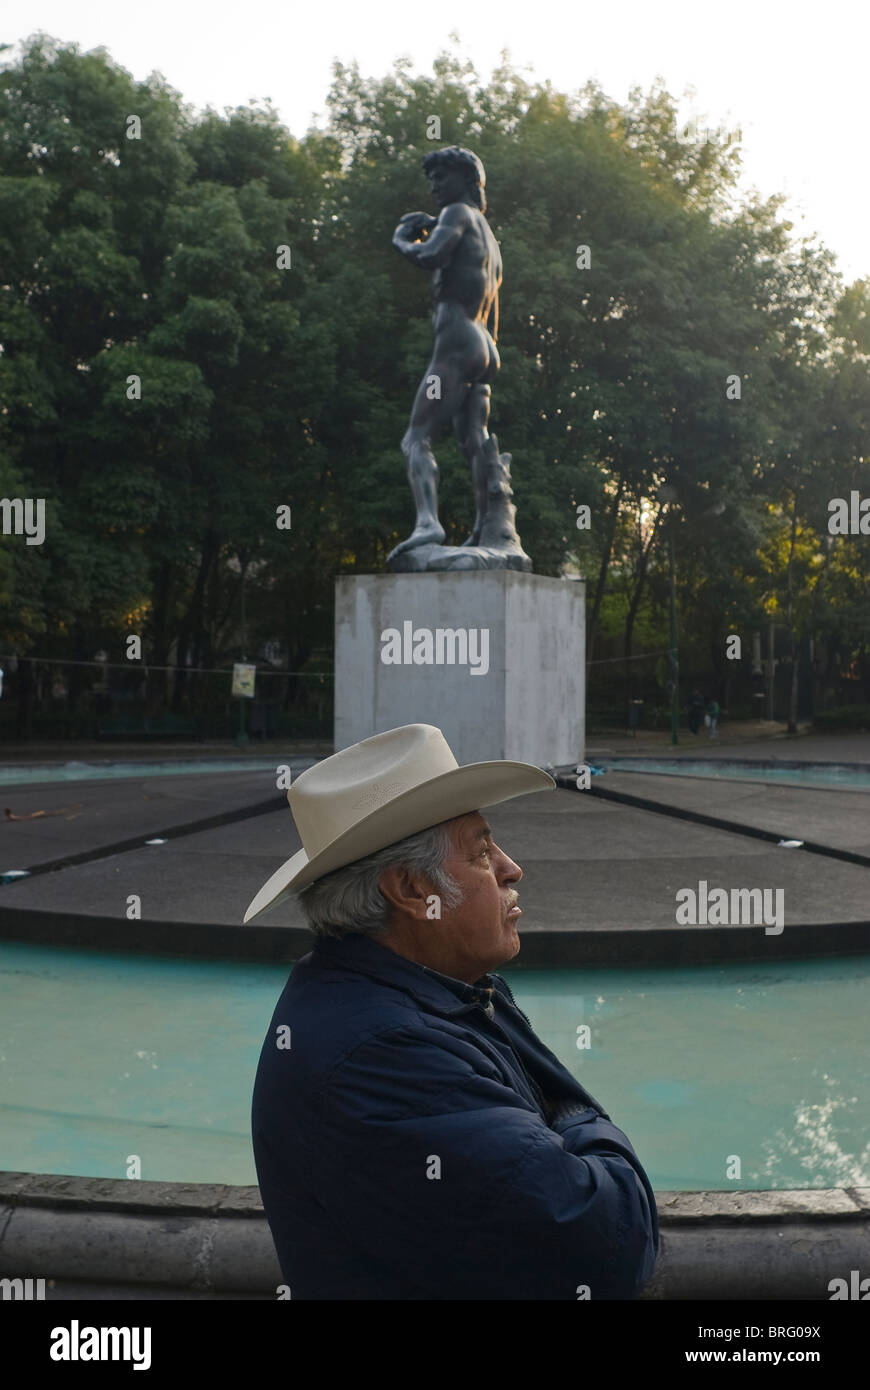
(414, 1139)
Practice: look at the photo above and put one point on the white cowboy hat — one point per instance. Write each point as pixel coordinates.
(379, 791)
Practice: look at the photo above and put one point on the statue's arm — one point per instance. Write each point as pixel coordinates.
(443, 238)
(492, 318)
(492, 313)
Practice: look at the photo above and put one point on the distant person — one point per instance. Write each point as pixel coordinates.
(414, 1138)
(712, 719)
(696, 711)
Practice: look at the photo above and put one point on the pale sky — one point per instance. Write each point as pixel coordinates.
(792, 75)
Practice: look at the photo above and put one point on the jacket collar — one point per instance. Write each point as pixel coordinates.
(429, 987)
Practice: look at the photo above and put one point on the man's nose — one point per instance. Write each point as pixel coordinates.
(508, 871)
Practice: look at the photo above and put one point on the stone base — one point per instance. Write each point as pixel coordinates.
(494, 658)
(450, 558)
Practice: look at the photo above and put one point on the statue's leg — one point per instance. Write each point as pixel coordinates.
(471, 427)
(439, 396)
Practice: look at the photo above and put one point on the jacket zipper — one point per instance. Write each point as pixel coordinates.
(593, 1102)
(514, 1002)
(533, 1085)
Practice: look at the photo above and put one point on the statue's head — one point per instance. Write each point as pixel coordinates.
(453, 172)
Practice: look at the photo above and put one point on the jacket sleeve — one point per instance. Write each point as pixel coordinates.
(466, 1186)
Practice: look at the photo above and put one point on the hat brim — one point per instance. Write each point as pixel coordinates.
(455, 793)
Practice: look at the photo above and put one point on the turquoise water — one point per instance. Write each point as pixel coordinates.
(104, 1057)
(806, 774)
(85, 772)
(803, 774)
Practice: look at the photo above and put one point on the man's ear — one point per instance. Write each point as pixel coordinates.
(405, 890)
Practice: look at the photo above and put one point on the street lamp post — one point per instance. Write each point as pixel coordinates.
(668, 495)
(242, 735)
(674, 651)
(771, 669)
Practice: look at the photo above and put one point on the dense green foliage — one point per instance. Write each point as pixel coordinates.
(261, 386)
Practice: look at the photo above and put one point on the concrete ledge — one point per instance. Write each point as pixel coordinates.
(679, 760)
(211, 1241)
(767, 1261)
(785, 1204)
(541, 947)
(196, 1238)
(202, 940)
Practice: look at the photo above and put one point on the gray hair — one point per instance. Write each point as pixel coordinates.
(348, 901)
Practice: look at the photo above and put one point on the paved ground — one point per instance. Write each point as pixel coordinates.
(152, 750)
(836, 818)
(763, 740)
(587, 862)
(768, 740)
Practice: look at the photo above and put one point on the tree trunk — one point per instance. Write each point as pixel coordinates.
(75, 678)
(592, 625)
(191, 631)
(634, 605)
(793, 695)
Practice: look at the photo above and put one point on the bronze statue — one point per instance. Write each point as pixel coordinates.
(458, 247)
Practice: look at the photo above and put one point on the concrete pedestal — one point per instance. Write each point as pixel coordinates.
(494, 658)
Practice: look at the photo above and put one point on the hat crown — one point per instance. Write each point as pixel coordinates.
(333, 796)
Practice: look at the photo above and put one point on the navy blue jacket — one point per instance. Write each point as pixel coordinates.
(410, 1146)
